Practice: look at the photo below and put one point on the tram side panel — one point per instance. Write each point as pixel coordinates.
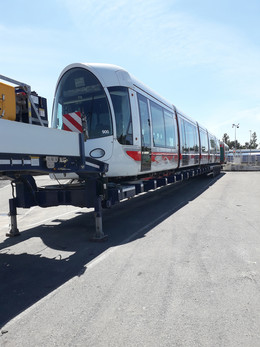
(158, 132)
(155, 138)
(164, 138)
(189, 142)
(126, 158)
(218, 151)
(214, 149)
(204, 146)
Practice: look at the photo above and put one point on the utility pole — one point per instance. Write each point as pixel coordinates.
(250, 144)
(235, 126)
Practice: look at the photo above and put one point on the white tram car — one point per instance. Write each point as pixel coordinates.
(127, 125)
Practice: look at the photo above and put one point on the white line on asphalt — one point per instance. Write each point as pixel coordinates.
(41, 221)
(54, 217)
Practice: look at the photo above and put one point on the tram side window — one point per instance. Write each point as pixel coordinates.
(158, 125)
(184, 139)
(169, 129)
(196, 136)
(204, 142)
(121, 104)
(145, 120)
(191, 136)
(212, 146)
(217, 147)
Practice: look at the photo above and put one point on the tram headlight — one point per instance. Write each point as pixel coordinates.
(97, 153)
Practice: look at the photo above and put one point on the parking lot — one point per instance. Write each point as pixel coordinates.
(180, 268)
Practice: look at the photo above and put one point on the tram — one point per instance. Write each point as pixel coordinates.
(127, 125)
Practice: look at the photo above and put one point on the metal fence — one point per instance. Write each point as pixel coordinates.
(242, 157)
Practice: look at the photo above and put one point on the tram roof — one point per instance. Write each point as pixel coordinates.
(112, 75)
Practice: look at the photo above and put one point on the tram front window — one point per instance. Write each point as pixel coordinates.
(80, 91)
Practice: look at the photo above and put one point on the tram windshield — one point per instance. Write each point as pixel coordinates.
(79, 91)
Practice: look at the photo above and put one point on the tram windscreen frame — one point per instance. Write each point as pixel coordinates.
(79, 90)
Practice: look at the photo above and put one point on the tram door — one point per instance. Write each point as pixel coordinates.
(145, 133)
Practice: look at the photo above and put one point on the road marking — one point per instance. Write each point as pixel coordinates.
(41, 221)
(50, 218)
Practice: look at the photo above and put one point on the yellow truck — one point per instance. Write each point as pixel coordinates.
(18, 103)
(7, 102)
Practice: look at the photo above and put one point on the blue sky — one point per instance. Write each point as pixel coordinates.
(202, 55)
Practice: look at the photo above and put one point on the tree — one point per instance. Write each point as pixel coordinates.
(253, 141)
(225, 138)
(233, 144)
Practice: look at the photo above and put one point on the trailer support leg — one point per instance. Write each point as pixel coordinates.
(13, 216)
(99, 234)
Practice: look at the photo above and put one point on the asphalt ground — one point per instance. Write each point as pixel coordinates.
(180, 268)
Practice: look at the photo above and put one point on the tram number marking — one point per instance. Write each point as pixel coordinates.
(105, 131)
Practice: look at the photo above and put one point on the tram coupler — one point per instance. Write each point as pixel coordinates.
(13, 217)
(99, 235)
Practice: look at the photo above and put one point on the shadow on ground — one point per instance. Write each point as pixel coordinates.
(26, 278)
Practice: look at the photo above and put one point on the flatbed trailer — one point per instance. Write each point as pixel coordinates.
(22, 158)
(28, 150)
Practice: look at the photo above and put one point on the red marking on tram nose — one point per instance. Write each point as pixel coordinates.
(136, 155)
